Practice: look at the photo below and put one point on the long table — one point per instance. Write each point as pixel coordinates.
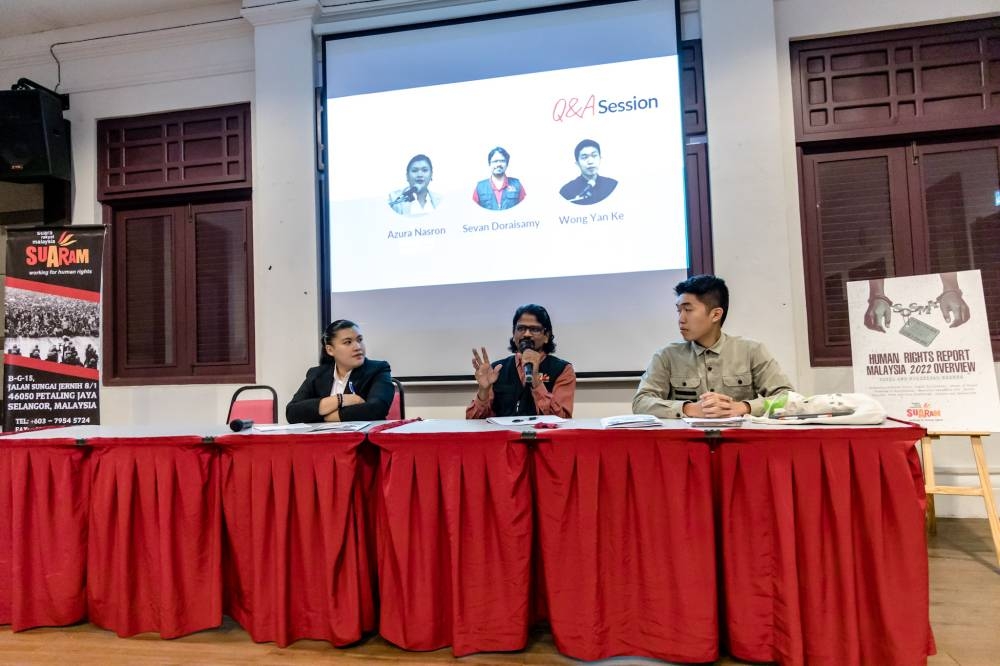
(796, 545)
(139, 530)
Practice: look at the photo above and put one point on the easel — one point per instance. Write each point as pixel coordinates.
(984, 489)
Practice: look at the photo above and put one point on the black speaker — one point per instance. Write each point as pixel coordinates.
(34, 137)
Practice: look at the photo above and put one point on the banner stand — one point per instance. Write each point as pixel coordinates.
(984, 489)
(52, 327)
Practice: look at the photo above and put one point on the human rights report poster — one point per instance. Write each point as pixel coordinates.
(921, 347)
(52, 327)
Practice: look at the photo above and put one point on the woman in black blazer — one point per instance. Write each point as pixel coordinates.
(346, 386)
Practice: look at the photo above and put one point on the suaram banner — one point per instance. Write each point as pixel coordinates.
(52, 327)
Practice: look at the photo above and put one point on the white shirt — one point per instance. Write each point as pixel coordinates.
(341, 384)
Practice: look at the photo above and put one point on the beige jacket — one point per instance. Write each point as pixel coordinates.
(682, 371)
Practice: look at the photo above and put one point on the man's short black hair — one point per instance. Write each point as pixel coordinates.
(710, 290)
(586, 143)
(330, 332)
(419, 158)
(542, 315)
(498, 149)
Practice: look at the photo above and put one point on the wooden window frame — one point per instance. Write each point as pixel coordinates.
(904, 108)
(898, 132)
(696, 181)
(186, 369)
(909, 226)
(175, 133)
(228, 191)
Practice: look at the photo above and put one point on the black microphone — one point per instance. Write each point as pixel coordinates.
(409, 194)
(236, 425)
(529, 368)
(585, 194)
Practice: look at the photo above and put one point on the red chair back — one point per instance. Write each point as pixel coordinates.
(259, 410)
(397, 410)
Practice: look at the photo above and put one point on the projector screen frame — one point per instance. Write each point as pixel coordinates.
(696, 260)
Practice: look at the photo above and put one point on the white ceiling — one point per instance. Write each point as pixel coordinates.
(24, 17)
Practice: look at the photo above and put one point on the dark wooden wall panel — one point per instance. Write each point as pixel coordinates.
(181, 152)
(927, 79)
(692, 87)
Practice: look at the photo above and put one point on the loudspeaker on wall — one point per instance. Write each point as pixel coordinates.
(34, 137)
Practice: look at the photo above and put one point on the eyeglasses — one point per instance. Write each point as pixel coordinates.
(534, 330)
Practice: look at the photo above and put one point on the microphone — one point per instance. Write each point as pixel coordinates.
(529, 368)
(236, 425)
(585, 194)
(409, 194)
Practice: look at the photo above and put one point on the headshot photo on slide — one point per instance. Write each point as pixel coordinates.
(416, 198)
(499, 191)
(589, 187)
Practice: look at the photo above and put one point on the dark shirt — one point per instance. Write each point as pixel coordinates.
(552, 393)
(579, 190)
(372, 381)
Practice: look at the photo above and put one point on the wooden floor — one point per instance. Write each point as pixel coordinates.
(965, 614)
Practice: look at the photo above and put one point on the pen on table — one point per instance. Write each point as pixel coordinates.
(528, 418)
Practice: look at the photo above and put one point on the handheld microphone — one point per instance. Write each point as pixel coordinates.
(585, 194)
(529, 368)
(236, 425)
(409, 194)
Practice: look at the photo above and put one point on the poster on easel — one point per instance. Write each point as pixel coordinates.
(52, 327)
(921, 346)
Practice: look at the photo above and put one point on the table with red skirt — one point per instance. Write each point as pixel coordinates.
(800, 545)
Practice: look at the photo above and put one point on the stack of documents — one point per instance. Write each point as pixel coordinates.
(631, 421)
(524, 420)
(340, 426)
(332, 426)
(704, 422)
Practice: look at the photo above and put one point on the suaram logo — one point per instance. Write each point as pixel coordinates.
(59, 254)
(568, 108)
(922, 411)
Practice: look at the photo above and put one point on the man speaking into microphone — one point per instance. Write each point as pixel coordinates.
(416, 198)
(530, 382)
(589, 187)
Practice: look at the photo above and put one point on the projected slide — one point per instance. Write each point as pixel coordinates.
(550, 174)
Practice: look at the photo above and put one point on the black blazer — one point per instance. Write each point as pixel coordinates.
(372, 381)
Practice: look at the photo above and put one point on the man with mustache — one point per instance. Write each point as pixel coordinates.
(502, 387)
(499, 191)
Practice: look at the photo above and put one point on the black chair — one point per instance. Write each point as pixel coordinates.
(397, 410)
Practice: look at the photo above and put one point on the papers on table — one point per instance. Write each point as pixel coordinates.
(340, 426)
(631, 421)
(524, 420)
(702, 422)
(333, 426)
(281, 427)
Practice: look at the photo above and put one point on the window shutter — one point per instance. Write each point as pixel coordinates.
(146, 248)
(851, 200)
(961, 184)
(221, 260)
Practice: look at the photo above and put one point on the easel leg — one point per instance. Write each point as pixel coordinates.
(984, 481)
(930, 485)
